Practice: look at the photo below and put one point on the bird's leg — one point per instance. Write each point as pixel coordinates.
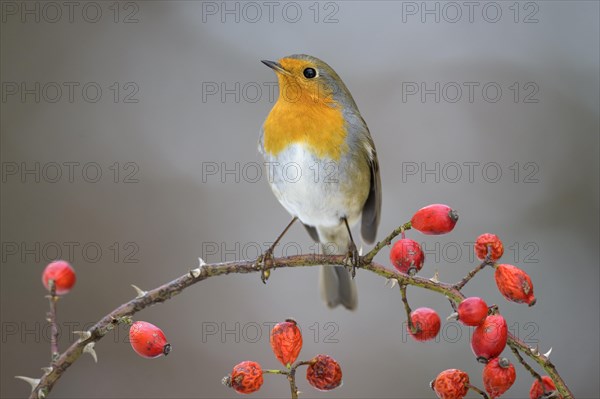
(265, 261)
(353, 254)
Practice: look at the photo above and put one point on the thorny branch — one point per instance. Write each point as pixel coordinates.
(166, 291)
(533, 373)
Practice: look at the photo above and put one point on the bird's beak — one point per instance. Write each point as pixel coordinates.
(275, 66)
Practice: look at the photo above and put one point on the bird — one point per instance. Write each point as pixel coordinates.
(322, 166)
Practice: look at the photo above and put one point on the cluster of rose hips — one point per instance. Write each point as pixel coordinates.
(454, 384)
(149, 341)
(323, 372)
(490, 333)
(146, 339)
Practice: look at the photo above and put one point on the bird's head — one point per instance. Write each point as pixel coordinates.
(304, 78)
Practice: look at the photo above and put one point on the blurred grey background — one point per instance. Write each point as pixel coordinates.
(129, 135)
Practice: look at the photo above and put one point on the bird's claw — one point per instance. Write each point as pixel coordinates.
(353, 259)
(264, 263)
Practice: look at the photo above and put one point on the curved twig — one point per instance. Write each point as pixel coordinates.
(205, 271)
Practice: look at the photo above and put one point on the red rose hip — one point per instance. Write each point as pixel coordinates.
(286, 342)
(498, 376)
(63, 275)
(542, 390)
(147, 340)
(489, 338)
(406, 256)
(426, 322)
(514, 284)
(472, 311)
(246, 377)
(489, 241)
(434, 219)
(451, 384)
(324, 373)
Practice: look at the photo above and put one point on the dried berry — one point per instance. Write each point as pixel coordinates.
(434, 219)
(498, 376)
(406, 256)
(286, 342)
(63, 275)
(489, 338)
(515, 284)
(324, 373)
(246, 377)
(451, 384)
(472, 311)
(489, 242)
(426, 322)
(147, 340)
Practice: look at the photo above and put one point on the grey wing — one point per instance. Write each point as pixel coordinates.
(371, 212)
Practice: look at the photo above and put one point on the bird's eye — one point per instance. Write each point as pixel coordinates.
(309, 73)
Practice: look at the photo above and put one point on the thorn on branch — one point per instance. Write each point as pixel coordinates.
(453, 316)
(140, 293)
(391, 282)
(33, 382)
(89, 348)
(83, 335)
(195, 273)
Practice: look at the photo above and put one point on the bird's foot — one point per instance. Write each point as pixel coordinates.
(265, 263)
(352, 259)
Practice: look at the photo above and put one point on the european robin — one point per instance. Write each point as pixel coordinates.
(322, 165)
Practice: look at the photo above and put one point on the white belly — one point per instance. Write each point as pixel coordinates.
(319, 192)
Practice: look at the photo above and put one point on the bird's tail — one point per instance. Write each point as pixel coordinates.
(337, 286)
